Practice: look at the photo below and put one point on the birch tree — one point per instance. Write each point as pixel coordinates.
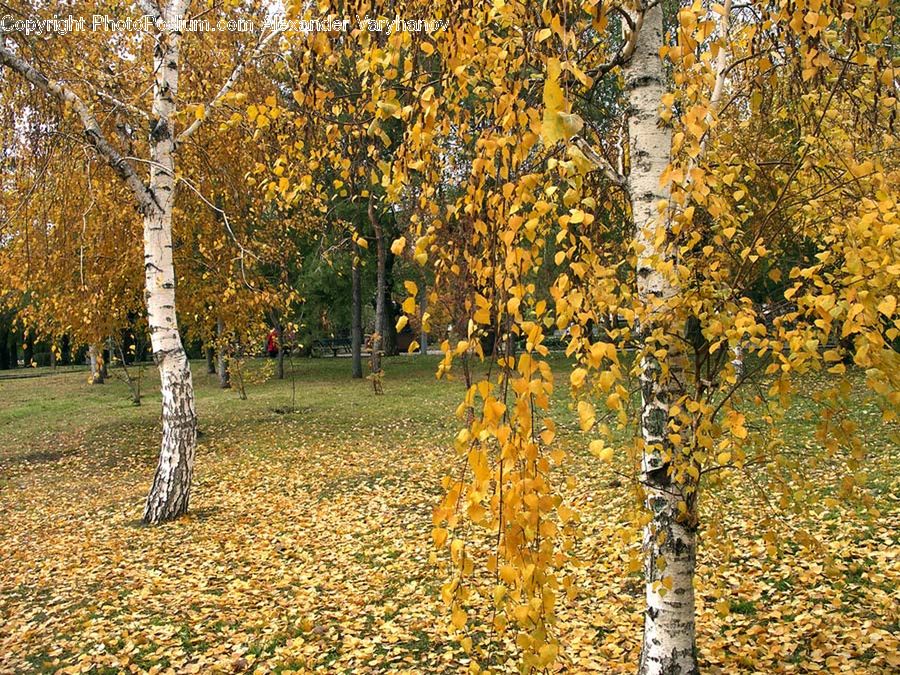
(151, 182)
(545, 168)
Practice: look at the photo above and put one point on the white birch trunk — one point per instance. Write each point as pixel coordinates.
(669, 637)
(170, 494)
(738, 360)
(96, 368)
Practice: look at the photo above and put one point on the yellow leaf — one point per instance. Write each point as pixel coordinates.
(439, 535)
(888, 306)
(577, 377)
(458, 619)
(398, 246)
(587, 415)
(401, 323)
(599, 450)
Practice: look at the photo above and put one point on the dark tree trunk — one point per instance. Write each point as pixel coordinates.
(28, 349)
(4, 348)
(356, 335)
(279, 343)
(65, 351)
(210, 361)
(423, 336)
(390, 317)
(380, 292)
(224, 378)
(13, 349)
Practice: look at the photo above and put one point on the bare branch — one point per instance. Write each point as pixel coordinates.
(122, 104)
(599, 162)
(635, 22)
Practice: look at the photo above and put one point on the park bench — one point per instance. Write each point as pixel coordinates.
(334, 345)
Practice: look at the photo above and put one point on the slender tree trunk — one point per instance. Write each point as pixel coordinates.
(356, 315)
(104, 362)
(65, 351)
(222, 363)
(28, 349)
(279, 359)
(423, 335)
(210, 361)
(380, 285)
(4, 348)
(389, 340)
(170, 494)
(279, 343)
(13, 349)
(669, 643)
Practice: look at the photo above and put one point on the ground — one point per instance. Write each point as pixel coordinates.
(308, 542)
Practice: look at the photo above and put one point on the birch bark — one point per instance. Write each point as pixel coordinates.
(669, 644)
(96, 370)
(170, 494)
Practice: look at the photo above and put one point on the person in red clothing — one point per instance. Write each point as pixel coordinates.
(272, 344)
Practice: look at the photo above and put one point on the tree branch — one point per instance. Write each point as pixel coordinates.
(226, 87)
(92, 131)
(599, 162)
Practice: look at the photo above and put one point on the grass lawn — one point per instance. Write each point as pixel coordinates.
(308, 542)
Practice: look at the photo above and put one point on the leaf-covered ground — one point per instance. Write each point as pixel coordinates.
(308, 543)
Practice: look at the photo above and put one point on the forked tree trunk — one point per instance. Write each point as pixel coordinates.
(356, 315)
(669, 643)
